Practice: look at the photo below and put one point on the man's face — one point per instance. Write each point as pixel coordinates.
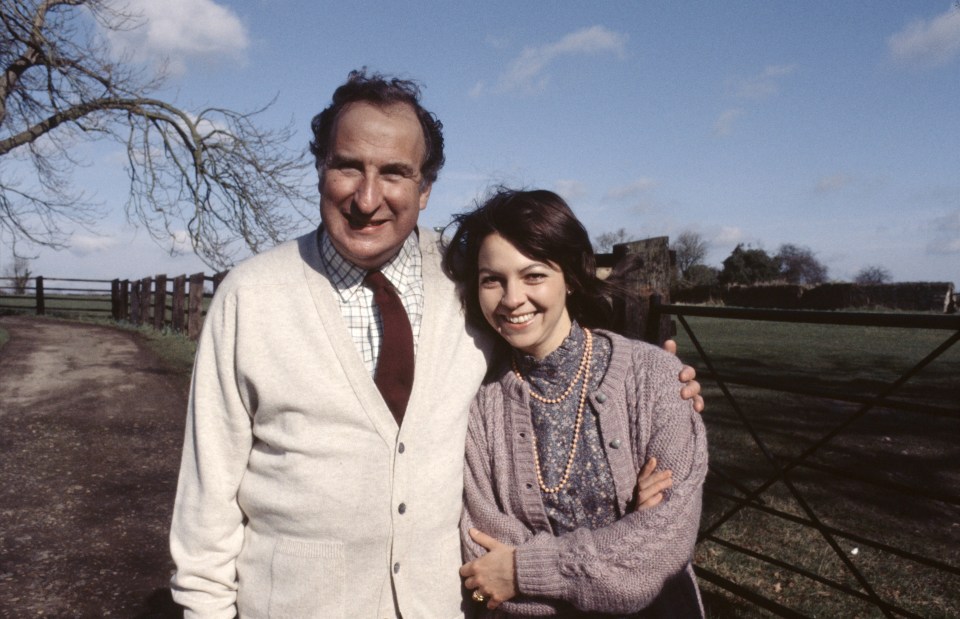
(371, 191)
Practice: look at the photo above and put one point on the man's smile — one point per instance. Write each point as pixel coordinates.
(360, 223)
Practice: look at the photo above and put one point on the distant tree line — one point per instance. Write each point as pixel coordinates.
(746, 265)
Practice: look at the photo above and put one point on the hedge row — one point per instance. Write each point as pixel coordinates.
(907, 296)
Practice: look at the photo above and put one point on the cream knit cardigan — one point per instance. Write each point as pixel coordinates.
(298, 495)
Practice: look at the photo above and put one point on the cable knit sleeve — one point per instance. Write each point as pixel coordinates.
(621, 568)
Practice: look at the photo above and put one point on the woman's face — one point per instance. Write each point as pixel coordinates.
(523, 299)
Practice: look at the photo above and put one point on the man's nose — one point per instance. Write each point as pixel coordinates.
(369, 194)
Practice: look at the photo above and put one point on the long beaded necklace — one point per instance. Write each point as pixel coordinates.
(583, 370)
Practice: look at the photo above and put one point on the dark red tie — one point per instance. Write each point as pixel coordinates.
(394, 374)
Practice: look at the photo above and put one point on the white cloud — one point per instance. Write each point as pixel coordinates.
(477, 90)
(181, 30)
(833, 183)
(946, 234)
(724, 124)
(764, 85)
(728, 235)
(82, 245)
(527, 72)
(631, 190)
(180, 242)
(570, 189)
(928, 43)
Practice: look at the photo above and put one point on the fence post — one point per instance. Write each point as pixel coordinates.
(135, 302)
(125, 299)
(217, 278)
(145, 284)
(160, 302)
(115, 299)
(195, 306)
(634, 319)
(41, 308)
(176, 308)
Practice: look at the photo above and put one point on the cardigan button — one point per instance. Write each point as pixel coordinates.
(601, 397)
(402, 508)
(615, 443)
(401, 448)
(396, 568)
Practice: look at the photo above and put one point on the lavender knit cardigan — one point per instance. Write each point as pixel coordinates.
(642, 560)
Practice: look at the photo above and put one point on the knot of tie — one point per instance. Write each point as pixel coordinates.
(394, 373)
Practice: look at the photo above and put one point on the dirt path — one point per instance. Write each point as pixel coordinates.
(92, 425)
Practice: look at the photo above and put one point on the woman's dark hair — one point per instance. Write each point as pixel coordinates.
(542, 227)
(381, 91)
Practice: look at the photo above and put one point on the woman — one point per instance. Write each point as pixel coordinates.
(555, 521)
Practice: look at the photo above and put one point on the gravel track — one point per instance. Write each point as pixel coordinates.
(92, 426)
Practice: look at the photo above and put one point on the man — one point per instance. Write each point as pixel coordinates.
(304, 490)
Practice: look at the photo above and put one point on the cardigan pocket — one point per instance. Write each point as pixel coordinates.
(438, 577)
(307, 579)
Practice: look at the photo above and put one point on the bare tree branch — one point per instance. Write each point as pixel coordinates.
(691, 250)
(799, 265)
(216, 174)
(604, 243)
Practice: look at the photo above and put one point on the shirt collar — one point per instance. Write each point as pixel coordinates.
(566, 354)
(347, 278)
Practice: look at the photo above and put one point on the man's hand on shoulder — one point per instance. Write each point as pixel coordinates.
(688, 375)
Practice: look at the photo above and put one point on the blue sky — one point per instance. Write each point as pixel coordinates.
(828, 124)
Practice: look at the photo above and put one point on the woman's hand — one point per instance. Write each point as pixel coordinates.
(494, 574)
(650, 486)
(691, 388)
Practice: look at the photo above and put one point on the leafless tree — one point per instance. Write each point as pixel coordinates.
(798, 265)
(19, 274)
(691, 249)
(872, 275)
(604, 243)
(215, 173)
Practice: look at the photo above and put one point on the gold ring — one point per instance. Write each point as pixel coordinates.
(478, 597)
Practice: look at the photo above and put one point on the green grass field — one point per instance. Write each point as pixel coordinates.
(67, 305)
(82, 306)
(917, 453)
(176, 349)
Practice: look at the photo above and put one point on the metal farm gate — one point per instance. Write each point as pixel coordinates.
(848, 507)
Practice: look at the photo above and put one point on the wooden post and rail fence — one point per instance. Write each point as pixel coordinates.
(177, 303)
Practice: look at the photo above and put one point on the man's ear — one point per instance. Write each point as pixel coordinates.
(425, 195)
